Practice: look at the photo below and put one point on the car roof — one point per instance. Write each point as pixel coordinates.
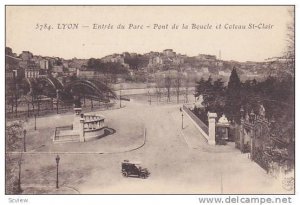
(131, 162)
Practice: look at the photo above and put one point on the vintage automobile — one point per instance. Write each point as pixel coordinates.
(134, 169)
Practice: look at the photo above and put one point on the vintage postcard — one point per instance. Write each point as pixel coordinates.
(149, 100)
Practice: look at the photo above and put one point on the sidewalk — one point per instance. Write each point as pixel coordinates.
(194, 138)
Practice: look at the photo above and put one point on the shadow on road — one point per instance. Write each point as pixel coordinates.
(107, 131)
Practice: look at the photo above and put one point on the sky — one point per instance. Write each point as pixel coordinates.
(86, 42)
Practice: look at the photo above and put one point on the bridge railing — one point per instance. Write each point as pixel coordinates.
(47, 108)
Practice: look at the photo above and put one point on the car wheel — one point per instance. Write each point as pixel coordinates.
(125, 174)
(143, 176)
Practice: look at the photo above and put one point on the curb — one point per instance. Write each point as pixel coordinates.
(117, 152)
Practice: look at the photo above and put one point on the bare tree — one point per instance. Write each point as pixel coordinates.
(290, 52)
(186, 90)
(177, 83)
(158, 88)
(168, 85)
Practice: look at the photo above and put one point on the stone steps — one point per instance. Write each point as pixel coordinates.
(66, 138)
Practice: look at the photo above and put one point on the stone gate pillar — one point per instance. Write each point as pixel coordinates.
(78, 124)
(212, 128)
(76, 120)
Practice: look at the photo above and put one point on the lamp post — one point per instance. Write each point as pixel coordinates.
(34, 121)
(24, 140)
(182, 121)
(120, 98)
(149, 97)
(57, 96)
(19, 180)
(57, 162)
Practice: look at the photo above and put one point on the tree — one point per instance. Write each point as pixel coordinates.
(204, 88)
(277, 95)
(290, 50)
(106, 67)
(213, 94)
(158, 88)
(177, 83)
(215, 99)
(59, 62)
(14, 135)
(136, 61)
(233, 97)
(186, 86)
(11, 173)
(168, 85)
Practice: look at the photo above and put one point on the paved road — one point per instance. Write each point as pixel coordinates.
(179, 160)
(175, 166)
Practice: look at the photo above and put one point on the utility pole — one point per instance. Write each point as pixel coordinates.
(57, 163)
(19, 179)
(34, 121)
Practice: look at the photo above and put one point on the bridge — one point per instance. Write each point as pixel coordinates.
(67, 91)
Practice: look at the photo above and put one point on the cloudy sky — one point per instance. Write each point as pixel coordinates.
(86, 42)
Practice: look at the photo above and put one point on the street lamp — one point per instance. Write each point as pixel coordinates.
(57, 162)
(57, 96)
(24, 140)
(149, 97)
(120, 98)
(182, 121)
(19, 180)
(34, 121)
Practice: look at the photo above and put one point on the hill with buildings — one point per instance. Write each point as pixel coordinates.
(136, 67)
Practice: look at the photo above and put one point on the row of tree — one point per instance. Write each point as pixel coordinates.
(172, 84)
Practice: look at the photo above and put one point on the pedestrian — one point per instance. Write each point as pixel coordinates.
(180, 109)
